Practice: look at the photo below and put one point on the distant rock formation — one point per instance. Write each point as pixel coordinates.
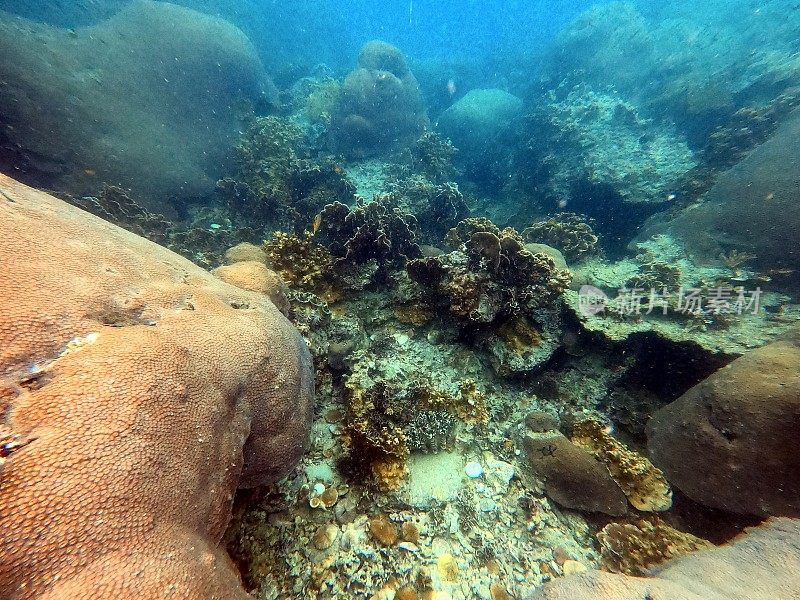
(148, 100)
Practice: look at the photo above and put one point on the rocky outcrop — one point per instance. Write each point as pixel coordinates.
(751, 209)
(137, 392)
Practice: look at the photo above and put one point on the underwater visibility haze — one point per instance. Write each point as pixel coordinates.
(412, 300)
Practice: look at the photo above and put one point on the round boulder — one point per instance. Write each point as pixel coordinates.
(730, 442)
(478, 118)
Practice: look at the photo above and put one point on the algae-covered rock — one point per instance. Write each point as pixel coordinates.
(597, 143)
(147, 100)
(730, 442)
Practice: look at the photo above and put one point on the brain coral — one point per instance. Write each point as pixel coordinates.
(136, 392)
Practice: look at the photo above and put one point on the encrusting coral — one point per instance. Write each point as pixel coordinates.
(570, 233)
(643, 483)
(369, 240)
(502, 295)
(491, 277)
(278, 184)
(138, 391)
(303, 263)
(389, 420)
(635, 548)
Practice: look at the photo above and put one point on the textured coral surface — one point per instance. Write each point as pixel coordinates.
(761, 565)
(136, 392)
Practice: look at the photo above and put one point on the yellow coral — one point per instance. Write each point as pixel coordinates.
(413, 313)
(472, 407)
(634, 548)
(469, 405)
(642, 482)
(389, 473)
(300, 261)
(520, 335)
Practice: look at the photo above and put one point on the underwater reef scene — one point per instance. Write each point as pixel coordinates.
(426, 301)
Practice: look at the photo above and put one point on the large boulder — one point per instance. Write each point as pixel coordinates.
(148, 100)
(730, 442)
(137, 392)
(752, 208)
(761, 565)
(479, 118)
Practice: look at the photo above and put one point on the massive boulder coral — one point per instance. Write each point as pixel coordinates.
(752, 208)
(137, 392)
(380, 105)
(730, 442)
(155, 85)
(480, 120)
(759, 565)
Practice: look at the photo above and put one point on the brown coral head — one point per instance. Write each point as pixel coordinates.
(487, 246)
